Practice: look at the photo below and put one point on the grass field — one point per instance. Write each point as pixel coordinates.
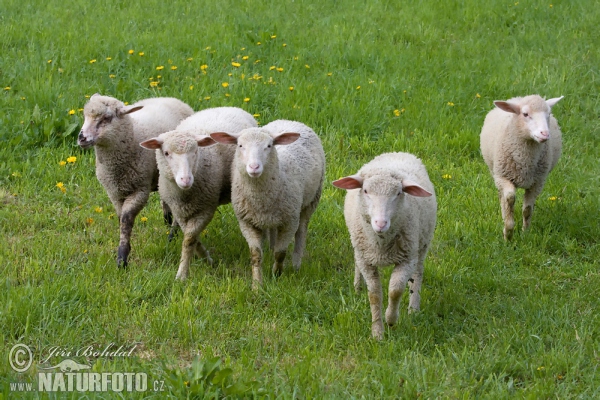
(498, 320)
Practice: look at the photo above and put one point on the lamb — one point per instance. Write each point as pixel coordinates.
(520, 143)
(277, 178)
(127, 172)
(391, 219)
(195, 178)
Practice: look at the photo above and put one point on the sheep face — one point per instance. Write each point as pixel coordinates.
(533, 115)
(179, 152)
(255, 148)
(381, 196)
(100, 114)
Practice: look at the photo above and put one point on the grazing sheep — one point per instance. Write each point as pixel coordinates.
(127, 172)
(277, 178)
(520, 143)
(391, 219)
(195, 179)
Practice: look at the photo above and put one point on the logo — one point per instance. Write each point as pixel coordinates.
(69, 366)
(20, 357)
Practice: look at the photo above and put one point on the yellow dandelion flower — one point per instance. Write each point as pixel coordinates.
(478, 95)
(71, 112)
(17, 175)
(551, 7)
(284, 45)
(242, 76)
(80, 109)
(191, 87)
(230, 74)
(256, 62)
(307, 66)
(279, 69)
(451, 104)
(111, 216)
(296, 58)
(208, 48)
(173, 67)
(272, 67)
(112, 76)
(7, 88)
(98, 209)
(153, 84)
(126, 103)
(72, 159)
(62, 163)
(245, 58)
(203, 67)
(247, 99)
(22, 98)
(89, 221)
(258, 43)
(92, 61)
(541, 368)
(141, 54)
(358, 88)
(160, 67)
(446, 176)
(329, 73)
(227, 95)
(49, 61)
(158, 76)
(189, 59)
(552, 198)
(87, 96)
(131, 51)
(256, 115)
(225, 84)
(61, 186)
(397, 113)
(273, 36)
(236, 64)
(108, 58)
(144, 219)
(207, 98)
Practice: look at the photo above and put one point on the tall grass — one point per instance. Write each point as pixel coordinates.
(498, 319)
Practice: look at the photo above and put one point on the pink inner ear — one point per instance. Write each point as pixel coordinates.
(151, 144)
(415, 190)
(347, 183)
(286, 138)
(224, 138)
(508, 107)
(205, 141)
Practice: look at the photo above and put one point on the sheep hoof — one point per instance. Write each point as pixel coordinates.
(508, 234)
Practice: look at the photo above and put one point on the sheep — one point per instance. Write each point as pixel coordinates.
(195, 178)
(520, 143)
(391, 219)
(127, 172)
(277, 178)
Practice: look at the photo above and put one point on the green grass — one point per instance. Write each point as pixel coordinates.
(498, 320)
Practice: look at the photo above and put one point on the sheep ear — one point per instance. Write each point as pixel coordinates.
(414, 189)
(286, 138)
(224, 138)
(129, 109)
(552, 102)
(95, 94)
(205, 141)
(152, 144)
(349, 182)
(508, 107)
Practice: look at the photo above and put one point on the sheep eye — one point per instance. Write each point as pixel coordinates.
(240, 146)
(269, 146)
(526, 115)
(166, 154)
(365, 191)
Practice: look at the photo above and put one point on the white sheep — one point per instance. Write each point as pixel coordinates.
(390, 211)
(196, 179)
(277, 178)
(520, 143)
(128, 172)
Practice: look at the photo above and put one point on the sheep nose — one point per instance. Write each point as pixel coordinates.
(380, 225)
(81, 137)
(185, 182)
(254, 166)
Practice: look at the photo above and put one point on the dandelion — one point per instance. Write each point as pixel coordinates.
(72, 159)
(131, 51)
(559, 377)
(108, 58)
(141, 53)
(256, 115)
(207, 98)
(89, 221)
(247, 99)
(208, 48)
(273, 36)
(144, 219)
(62, 163)
(225, 84)
(112, 76)
(446, 176)
(203, 67)
(258, 43)
(230, 74)
(92, 61)
(236, 64)
(80, 109)
(160, 67)
(158, 76)
(371, 81)
(541, 368)
(153, 84)
(173, 67)
(61, 186)
(329, 73)
(245, 58)
(227, 95)
(284, 45)
(242, 76)
(49, 61)
(22, 98)
(7, 88)
(98, 209)
(16, 174)
(307, 66)
(477, 95)
(279, 69)
(551, 7)
(71, 112)
(397, 113)
(291, 88)
(111, 216)
(191, 87)
(451, 104)
(256, 62)
(272, 67)
(358, 88)
(552, 198)
(190, 59)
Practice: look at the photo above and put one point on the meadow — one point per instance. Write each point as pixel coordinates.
(497, 320)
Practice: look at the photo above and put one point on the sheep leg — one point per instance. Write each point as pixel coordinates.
(300, 238)
(192, 245)
(357, 274)
(506, 193)
(371, 275)
(253, 237)
(414, 285)
(285, 235)
(531, 195)
(398, 281)
(127, 213)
